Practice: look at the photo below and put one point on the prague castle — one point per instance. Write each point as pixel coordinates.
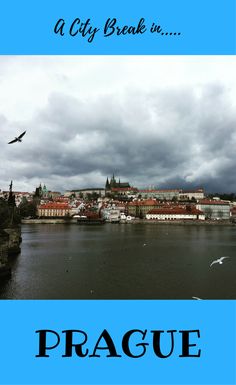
(114, 184)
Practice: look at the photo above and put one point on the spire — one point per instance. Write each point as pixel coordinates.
(11, 197)
(107, 184)
(113, 181)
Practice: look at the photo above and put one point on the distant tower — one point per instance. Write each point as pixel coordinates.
(11, 197)
(107, 186)
(38, 192)
(44, 192)
(113, 181)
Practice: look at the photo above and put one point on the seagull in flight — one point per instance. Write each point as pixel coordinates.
(196, 298)
(18, 139)
(220, 261)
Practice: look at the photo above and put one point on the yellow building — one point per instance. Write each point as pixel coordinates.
(53, 209)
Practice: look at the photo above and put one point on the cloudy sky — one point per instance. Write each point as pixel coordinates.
(164, 121)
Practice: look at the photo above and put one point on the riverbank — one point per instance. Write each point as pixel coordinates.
(133, 222)
(186, 223)
(47, 221)
(10, 240)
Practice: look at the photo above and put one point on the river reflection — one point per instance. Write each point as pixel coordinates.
(115, 261)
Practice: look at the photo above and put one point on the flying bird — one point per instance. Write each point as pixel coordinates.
(220, 261)
(196, 298)
(18, 139)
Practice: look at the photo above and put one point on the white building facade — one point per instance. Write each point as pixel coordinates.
(214, 209)
(172, 214)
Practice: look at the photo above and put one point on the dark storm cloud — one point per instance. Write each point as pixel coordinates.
(168, 137)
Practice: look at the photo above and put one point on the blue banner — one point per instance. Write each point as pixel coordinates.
(119, 342)
(118, 28)
(114, 341)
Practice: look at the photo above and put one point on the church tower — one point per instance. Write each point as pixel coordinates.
(107, 186)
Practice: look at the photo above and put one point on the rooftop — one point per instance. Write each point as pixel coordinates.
(160, 191)
(176, 210)
(212, 202)
(54, 205)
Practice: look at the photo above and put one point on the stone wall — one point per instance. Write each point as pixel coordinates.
(10, 240)
(4, 243)
(5, 270)
(14, 240)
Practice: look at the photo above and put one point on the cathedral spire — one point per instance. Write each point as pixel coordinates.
(107, 186)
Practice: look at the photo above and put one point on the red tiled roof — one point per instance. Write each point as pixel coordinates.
(212, 202)
(200, 190)
(18, 192)
(124, 189)
(54, 205)
(160, 191)
(175, 210)
(147, 202)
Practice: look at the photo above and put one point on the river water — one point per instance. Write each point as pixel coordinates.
(114, 261)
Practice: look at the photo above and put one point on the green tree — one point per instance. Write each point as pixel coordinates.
(9, 215)
(27, 209)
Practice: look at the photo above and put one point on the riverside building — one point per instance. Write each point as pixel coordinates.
(175, 213)
(214, 209)
(53, 210)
